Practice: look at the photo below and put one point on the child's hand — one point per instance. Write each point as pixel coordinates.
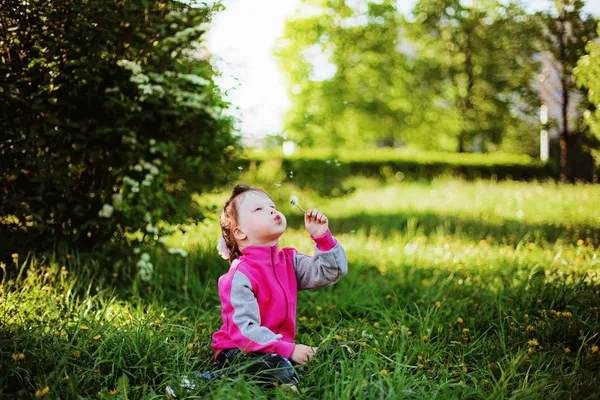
(316, 223)
(302, 353)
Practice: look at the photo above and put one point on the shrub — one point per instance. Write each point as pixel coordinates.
(110, 120)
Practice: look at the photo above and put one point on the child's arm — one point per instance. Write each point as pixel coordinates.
(325, 267)
(243, 314)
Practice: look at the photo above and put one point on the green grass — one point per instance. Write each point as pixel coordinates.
(516, 262)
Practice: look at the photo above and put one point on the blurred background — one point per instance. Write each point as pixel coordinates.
(452, 76)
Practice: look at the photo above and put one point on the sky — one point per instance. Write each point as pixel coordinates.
(241, 40)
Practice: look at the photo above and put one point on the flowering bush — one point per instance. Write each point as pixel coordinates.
(110, 120)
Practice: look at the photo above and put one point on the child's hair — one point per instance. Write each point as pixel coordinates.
(229, 218)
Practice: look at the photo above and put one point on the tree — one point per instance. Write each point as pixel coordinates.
(364, 95)
(566, 33)
(586, 73)
(110, 120)
(484, 53)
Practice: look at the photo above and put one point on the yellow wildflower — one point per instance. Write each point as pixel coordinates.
(529, 329)
(97, 337)
(425, 339)
(113, 392)
(18, 357)
(15, 257)
(465, 331)
(376, 324)
(459, 320)
(319, 308)
(594, 349)
(96, 372)
(364, 382)
(77, 354)
(352, 329)
(533, 343)
(66, 378)
(567, 350)
(363, 344)
(84, 327)
(42, 392)
(337, 337)
(438, 304)
(390, 333)
(567, 314)
(384, 372)
(464, 369)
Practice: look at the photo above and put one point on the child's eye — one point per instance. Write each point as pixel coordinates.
(259, 208)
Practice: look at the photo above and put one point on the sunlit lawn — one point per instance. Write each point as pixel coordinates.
(455, 289)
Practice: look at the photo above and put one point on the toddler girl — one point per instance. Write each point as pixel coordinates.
(258, 294)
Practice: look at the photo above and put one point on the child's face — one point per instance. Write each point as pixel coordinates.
(259, 220)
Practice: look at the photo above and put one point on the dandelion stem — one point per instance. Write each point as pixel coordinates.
(297, 205)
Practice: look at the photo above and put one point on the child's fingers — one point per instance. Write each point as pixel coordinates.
(315, 215)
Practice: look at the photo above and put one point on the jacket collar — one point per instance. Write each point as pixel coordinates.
(260, 254)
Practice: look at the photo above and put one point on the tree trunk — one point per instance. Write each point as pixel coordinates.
(564, 137)
(468, 104)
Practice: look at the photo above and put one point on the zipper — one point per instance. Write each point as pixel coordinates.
(284, 293)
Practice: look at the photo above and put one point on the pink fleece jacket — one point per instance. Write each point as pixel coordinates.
(258, 294)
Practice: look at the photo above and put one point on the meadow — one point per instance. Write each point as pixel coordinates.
(455, 289)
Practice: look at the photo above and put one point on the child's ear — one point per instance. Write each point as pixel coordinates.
(238, 233)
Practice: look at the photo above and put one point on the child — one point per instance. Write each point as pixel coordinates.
(258, 294)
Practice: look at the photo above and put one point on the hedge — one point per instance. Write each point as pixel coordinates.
(325, 171)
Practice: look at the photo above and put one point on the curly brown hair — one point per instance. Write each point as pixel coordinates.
(229, 218)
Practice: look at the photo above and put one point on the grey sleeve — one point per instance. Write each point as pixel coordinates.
(246, 314)
(323, 269)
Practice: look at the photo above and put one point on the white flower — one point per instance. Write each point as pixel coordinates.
(145, 268)
(138, 168)
(106, 211)
(117, 198)
(145, 257)
(223, 249)
(294, 201)
(163, 240)
(152, 142)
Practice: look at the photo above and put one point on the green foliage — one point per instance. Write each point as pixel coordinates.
(586, 74)
(516, 262)
(110, 119)
(566, 33)
(358, 73)
(483, 54)
(324, 171)
(365, 98)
